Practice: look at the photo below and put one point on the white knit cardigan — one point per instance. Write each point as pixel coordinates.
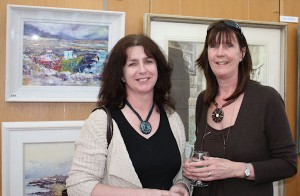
(93, 163)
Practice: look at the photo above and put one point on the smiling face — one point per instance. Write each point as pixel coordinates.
(140, 72)
(224, 57)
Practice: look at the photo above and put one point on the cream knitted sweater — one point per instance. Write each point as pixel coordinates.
(93, 163)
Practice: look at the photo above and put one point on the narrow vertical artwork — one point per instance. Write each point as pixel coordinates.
(298, 96)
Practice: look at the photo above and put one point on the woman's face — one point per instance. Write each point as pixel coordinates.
(140, 71)
(224, 58)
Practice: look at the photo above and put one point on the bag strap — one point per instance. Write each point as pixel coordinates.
(109, 129)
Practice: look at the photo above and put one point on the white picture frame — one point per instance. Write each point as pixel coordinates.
(62, 64)
(29, 151)
(267, 43)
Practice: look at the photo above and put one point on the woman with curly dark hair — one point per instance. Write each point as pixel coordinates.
(145, 155)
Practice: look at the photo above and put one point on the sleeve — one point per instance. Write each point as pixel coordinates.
(90, 156)
(282, 162)
(179, 133)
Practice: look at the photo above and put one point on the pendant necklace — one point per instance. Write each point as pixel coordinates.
(218, 113)
(145, 126)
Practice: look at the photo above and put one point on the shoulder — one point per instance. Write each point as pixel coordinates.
(175, 119)
(173, 116)
(177, 127)
(264, 96)
(95, 121)
(97, 115)
(262, 91)
(200, 97)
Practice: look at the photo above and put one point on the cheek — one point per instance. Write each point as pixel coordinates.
(126, 74)
(210, 55)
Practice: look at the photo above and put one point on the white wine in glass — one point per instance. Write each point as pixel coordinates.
(198, 156)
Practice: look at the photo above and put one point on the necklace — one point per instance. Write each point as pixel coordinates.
(145, 126)
(225, 138)
(218, 113)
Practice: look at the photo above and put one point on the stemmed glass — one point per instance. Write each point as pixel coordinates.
(195, 157)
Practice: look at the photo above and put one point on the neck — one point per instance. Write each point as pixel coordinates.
(225, 90)
(140, 102)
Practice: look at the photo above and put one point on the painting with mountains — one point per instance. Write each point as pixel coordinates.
(63, 54)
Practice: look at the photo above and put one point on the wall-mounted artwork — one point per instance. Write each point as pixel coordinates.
(182, 38)
(37, 156)
(298, 96)
(56, 54)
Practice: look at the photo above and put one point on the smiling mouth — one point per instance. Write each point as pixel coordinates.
(142, 79)
(222, 63)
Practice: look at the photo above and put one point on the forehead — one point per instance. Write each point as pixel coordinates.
(222, 37)
(134, 51)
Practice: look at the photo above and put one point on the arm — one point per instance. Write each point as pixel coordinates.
(181, 184)
(106, 190)
(90, 156)
(282, 148)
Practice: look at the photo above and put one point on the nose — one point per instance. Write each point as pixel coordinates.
(220, 50)
(142, 68)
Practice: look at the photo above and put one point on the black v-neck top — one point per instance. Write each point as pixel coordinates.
(156, 160)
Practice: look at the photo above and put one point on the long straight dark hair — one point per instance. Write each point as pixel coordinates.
(222, 31)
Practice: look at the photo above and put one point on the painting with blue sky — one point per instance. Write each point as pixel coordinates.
(46, 167)
(63, 54)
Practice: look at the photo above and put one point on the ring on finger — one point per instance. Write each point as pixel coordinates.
(209, 174)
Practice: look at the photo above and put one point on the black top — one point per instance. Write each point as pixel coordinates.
(215, 141)
(156, 160)
(261, 135)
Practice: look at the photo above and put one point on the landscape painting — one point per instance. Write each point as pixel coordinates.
(46, 167)
(63, 54)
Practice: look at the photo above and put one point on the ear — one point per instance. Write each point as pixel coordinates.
(243, 53)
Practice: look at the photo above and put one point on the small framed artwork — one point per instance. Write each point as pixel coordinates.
(57, 54)
(37, 156)
(182, 39)
(298, 96)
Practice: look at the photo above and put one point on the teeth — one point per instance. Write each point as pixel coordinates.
(221, 62)
(143, 79)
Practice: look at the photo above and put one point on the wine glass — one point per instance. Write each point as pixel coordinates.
(198, 156)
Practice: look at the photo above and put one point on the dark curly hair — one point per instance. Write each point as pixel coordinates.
(228, 30)
(112, 92)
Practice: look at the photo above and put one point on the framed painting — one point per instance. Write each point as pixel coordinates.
(37, 156)
(298, 96)
(57, 54)
(182, 39)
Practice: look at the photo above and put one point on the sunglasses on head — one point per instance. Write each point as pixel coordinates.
(229, 23)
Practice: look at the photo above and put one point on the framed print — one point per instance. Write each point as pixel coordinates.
(182, 39)
(37, 156)
(298, 96)
(57, 54)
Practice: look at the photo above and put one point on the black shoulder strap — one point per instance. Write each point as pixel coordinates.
(109, 129)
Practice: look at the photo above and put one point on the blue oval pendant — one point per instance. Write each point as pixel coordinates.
(145, 127)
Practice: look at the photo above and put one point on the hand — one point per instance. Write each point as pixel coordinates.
(212, 169)
(180, 188)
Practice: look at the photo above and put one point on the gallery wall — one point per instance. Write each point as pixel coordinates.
(256, 10)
